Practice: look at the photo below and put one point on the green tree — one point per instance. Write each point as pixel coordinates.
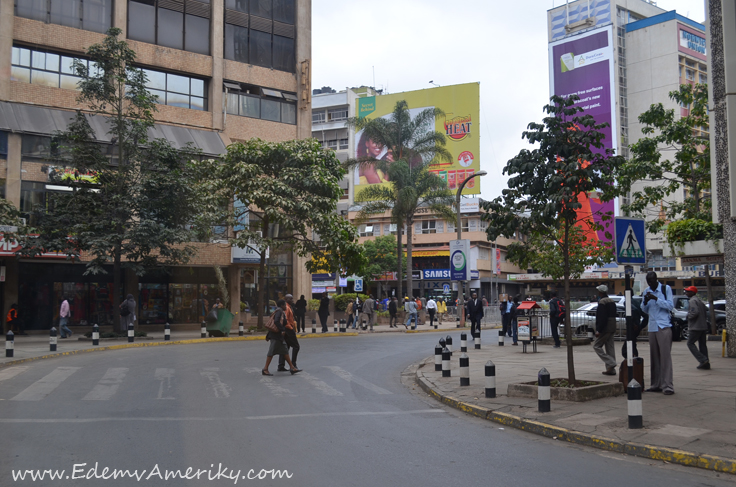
(280, 196)
(671, 156)
(380, 257)
(132, 207)
(543, 197)
(413, 146)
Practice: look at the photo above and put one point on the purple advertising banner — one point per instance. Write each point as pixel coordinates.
(582, 65)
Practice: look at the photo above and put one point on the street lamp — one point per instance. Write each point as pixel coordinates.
(461, 293)
(431, 82)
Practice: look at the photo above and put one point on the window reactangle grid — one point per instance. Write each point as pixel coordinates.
(337, 114)
(46, 68)
(319, 117)
(177, 90)
(94, 15)
(179, 24)
(366, 230)
(428, 226)
(264, 103)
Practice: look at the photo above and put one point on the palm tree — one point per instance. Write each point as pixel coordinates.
(412, 146)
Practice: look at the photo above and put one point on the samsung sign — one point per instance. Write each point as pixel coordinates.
(437, 274)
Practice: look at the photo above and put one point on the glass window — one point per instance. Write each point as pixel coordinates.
(44, 78)
(197, 34)
(288, 113)
(250, 106)
(271, 110)
(343, 144)
(176, 83)
(197, 103)
(3, 145)
(239, 5)
(197, 87)
(65, 12)
(170, 28)
(428, 226)
(38, 60)
(177, 100)
(156, 79)
(260, 48)
(318, 117)
(97, 15)
(283, 11)
(32, 9)
(45, 69)
(20, 74)
(233, 100)
(142, 21)
(261, 8)
(283, 54)
(236, 43)
(337, 114)
(35, 146)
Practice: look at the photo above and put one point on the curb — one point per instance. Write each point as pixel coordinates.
(670, 455)
(163, 343)
(494, 327)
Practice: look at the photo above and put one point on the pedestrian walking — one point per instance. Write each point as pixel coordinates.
(324, 311)
(441, 310)
(657, 304)
(474, 312)
(411, 311)
(64, 314)
(369, 306)
(484, 301)
(300, 313)
(349, 313)
(505, 308)
(276, 344)
(393, 313)
(431, 310)
(697, 328)
(422, 308)
(127, 312)
(513, 325)
(290, 334)
(605, 328)
(556, 316)
(14, 321)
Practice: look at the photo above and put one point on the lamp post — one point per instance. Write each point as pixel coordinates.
(461, 293)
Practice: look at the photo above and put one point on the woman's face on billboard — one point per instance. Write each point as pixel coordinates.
(373, 148)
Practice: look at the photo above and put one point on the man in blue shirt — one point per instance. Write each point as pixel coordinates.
(658, 304)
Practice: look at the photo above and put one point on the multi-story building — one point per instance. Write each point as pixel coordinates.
(224, 71)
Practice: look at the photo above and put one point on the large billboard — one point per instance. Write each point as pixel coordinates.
(583, 65)
(460, 125)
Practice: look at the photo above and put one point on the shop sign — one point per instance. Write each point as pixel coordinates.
(438, 274)
(460, 259)
(10, 247)
(331, 289)
(317, 290)
(247, 255)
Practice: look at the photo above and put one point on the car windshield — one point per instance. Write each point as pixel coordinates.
(587, 307)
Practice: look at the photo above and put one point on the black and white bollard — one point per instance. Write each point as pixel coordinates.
(95, 335)
(458, 322)
(314, 326)
(203, 330)
(635, 408)
(131, 333)
(442, 343)
(591, 334)
(342, 326)
(413, 322)
(363, 326)
(335, 327)
(500, 338)
(464, 370)
(9, 343)
(167, 331)
(490, 380)
(448, 342)
(463, 342)
(445, 362)
(241, 329)
(437, 358)
(52, 340)
(477, 342)
(543, 391)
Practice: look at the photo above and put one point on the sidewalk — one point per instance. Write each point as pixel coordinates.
(696, 426)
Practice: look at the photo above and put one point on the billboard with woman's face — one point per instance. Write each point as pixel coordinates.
(460, 126)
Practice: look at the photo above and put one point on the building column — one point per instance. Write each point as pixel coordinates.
(13, 177)
(304, 69)
(120, 17)
(217, 43)
(7, 12)
(233, 289)
(302, 281)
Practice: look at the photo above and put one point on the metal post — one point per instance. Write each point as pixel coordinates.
(490, 380)
(500, 338)
(9, 343)
(241, 329)
(543, 391)
(203, 330)
(437, 358)
(635, 407)
(131, 333)
(95, 335)
(445, 362)
(464, 370)
(463, 342)
(52, 340)
(167, 331)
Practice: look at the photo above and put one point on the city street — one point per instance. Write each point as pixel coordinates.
(354, 417)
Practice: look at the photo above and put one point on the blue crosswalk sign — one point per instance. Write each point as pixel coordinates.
(630, 239)
(358, 286)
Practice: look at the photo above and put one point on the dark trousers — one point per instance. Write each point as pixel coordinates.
(701, 338)
(293, 343)
(505, 324)
(554, 324)
(300, 322)
(431, 316)
(632, 333)
(393, 320)
(474, 327)
(323, 320)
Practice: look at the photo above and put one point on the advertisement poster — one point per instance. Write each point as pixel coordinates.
(460, 125)
(524, 332)
(583, 65)
(460, 260)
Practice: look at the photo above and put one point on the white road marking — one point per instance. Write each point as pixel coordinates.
(275, 389)
(107, 386)
(164, 376)
(11, 372)
(45, 386)
(218, 387)
(344, 374)
(321, 386)
(242, 418)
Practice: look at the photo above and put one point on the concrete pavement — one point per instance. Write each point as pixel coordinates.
(696, 426)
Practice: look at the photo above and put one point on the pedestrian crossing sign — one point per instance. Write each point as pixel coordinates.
(630, 241)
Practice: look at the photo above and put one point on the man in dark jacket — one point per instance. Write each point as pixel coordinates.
(393, 311)
(605, 328)
(300, 312)
(697, 326)
(474, 312)
(554, 317)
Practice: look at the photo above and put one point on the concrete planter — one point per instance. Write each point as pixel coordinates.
(697, 247)
(578, 394)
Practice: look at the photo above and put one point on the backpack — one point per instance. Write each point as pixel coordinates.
(560, 305)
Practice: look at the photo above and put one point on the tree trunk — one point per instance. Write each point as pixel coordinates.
(116, 273)
(262, 304)
(409, 280)
(568, 327)
(398, 260)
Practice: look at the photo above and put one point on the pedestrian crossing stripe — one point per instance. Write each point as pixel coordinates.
(630, 247)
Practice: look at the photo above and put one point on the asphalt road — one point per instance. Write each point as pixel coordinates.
(349, 420)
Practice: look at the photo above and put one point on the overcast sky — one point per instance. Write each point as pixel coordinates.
(501, 44)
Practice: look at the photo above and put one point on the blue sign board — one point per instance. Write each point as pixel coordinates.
(358, 285)
(446, 289)
(630, 238)
(436, 274)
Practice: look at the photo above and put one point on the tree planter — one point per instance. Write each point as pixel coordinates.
(577, 394)
(696, 247)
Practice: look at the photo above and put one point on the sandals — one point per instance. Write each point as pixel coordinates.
(266, 372)
(295, 371)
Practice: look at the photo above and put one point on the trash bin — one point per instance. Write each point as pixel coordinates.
(221, 327)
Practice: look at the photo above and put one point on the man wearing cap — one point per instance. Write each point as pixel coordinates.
(411, 311)
(657, 304)
(697, 326)
(605, 328)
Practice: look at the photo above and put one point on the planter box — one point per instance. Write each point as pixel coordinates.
(578, 394)
(697, 247)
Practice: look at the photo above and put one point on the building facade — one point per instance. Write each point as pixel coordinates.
(224, 71)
